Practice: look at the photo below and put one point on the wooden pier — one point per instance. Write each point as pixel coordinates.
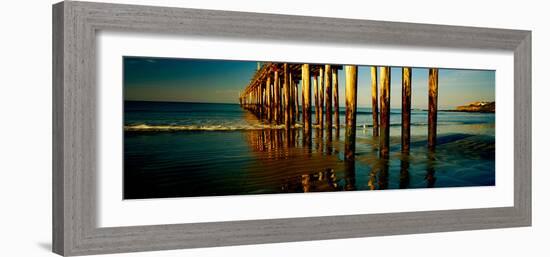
(272, 95)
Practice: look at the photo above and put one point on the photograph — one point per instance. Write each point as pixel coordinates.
(198, 127)
(146, 128)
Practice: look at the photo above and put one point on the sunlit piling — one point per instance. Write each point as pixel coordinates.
(385, 81)
(261, 95)
(280, 109)
(316, 96)
(291, 96)
(302, 105)
(269, 98)
(433, 81)
(306, 103)
(296, 102)
(406, 110)
(259, 101)
(351, 115)
(328, 99)
(374, 93)
(351, 111)
(321, 99)
(335, 97)
(277, 96)
(286, 90)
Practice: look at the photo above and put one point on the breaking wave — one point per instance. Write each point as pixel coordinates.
(145, 127)
(246, 127)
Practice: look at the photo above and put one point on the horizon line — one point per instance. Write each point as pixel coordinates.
(342, 107)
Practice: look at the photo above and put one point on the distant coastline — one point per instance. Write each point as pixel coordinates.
(480, 107)
(488, 107)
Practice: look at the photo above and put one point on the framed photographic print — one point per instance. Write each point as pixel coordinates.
(182, 128)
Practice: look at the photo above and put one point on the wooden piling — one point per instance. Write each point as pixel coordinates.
(273, 99)
(351, 111)
(261, 87)
(374, 93)
(316, 96)
(321, 99)
(296, 102)
(268, 97)
(433, 81)
(302, 106)
(385, 81)
(406, 109)
(306, 104)
(281, 101)
(286, 88)
(335, 95)
(262, 99)
(328, 98)
(256, 100)
(277, 101)
(291, 97)
(261, 84)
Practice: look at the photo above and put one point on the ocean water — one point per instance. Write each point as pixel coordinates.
(204, 149)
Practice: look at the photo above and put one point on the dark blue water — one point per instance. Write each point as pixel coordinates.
(207, 116)
(199, 149)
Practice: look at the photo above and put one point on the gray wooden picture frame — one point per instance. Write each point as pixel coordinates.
(75, 25)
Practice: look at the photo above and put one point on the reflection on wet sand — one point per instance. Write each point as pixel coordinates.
(404, 179)
(430, 170)
(329, 142)
(323, 181)
(299, 167)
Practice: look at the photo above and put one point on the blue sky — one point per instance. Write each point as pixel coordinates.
(220, 81)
